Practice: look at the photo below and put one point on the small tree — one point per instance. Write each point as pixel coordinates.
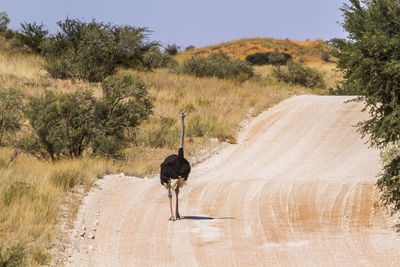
(125, 104)
(370, 62)
(133, 44)
(77, 116)
(81, 50)
(297, 73)
(67, 125)
(4, 21)
(92, 51)
(154, 58)
(369, 59)
(32, 35)
(172, 49)
(44, 114)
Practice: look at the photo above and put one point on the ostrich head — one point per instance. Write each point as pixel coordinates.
(183, 114)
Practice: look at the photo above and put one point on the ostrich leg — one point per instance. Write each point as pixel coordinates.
(179, 184)
(178, 217)
(172, 218)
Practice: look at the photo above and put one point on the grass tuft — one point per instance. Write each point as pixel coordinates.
(41, 256)
(66, 179)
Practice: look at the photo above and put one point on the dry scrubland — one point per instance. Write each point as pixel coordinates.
(30, 191)
(308, 51)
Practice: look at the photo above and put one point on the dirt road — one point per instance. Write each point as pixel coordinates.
(297, 190)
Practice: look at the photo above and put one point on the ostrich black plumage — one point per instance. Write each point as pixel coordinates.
(175, 167)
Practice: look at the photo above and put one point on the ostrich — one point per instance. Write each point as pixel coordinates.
(175, 167)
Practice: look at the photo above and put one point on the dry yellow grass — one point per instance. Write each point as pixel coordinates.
(25, 71)
(217, 107)
(30, 201)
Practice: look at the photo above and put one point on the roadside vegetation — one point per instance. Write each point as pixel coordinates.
(369, 59)
(62, 129)
(297, 73)
(217, 65)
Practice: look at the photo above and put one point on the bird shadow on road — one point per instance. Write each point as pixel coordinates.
(200, 218)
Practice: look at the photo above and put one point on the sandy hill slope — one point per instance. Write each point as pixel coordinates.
(297, 190)
(308, 51)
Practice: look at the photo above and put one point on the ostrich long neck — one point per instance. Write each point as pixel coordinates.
(182, 134)
(180, 152)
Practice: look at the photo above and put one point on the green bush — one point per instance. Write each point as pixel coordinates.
(172, 49)
(63, 124)
(32, 35)
(66, 179)
(278, 59)
(4, 21)
(91, 51)
(326, 56)
(190, 47)
(10, 112)
(297, 73)
(67, 125)
(13, 256)
(45, 117)
(389, 179)
(217, 65)
(154, 58)
(86, 51)
(125, 104)
(273, 58)
(132, 45)
(258, 58)
(389, 184)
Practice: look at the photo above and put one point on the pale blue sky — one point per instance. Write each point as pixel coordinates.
(190, 22)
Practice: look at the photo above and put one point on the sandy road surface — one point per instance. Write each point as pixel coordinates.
(296, 191)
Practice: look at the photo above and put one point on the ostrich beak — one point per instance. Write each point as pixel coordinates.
(185, 114)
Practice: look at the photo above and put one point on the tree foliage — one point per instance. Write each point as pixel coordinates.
(91, 51)
(81, 50)
(125, 104)
(172, 49)
(68, 125)
(273, 58)
(299, 74)
(32, 35)
(154, 58)
(4, 21)
(217, 65)
(370, 61)
(132, 45)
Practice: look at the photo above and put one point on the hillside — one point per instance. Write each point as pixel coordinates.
(310, 52)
